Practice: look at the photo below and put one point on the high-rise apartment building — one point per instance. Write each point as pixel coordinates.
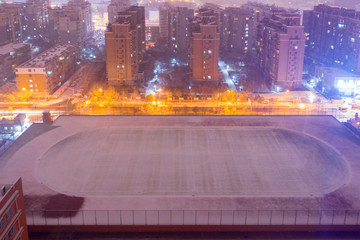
(179, 30)
(12, 212)
(164, 22)
(204, 46)
(12, 55)
(258, 12)
(11, 23)
(333, 37)
(71, 23)
(280, 47)
(174, 28)
(86, 13)
(152, 35)
(235, 27)
(115, 7)
(48, 71)
(125, 46)
(137, 13)
(37, 18)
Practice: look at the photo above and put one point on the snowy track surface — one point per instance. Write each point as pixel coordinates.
(243, 161)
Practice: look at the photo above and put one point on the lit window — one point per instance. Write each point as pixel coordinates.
(30, 80)
(209, 51)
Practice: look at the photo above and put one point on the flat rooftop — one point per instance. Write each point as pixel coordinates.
(6, 49)
(42, 60)
(337, 72)
(187, 163)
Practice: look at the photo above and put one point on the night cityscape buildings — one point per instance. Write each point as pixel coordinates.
(72, 23)
(37, 18)
(11, 24)
(11, 55)
(284, 164)
(235, 28)
(174, 28)
(125, 46)
(204, 46)
(48, 71)
(116, 6)
(333, 37)
(280, 45)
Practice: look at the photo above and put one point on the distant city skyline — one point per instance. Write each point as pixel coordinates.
(284, 3)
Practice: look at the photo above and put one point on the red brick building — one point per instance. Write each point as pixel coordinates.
(12, 212)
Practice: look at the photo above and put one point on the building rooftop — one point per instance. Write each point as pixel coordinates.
(6, 49)
(187, 163)
(338, 72)
(41, 60)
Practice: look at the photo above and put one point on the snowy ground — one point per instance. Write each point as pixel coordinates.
(246, 161)
(86, 163)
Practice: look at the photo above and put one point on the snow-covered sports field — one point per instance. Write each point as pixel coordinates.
(187, 163)
(247, 161)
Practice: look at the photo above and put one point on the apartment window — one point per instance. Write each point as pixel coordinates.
(30, 80)
(2, 222)
(11, 232)
(29, 70)
(9, 213)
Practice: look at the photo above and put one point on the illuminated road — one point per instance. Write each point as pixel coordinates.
(291, 103)
(225, 70)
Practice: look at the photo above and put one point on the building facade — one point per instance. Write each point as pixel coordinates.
(280, 45)
(333, 37)
(125, 46)
(11, 23)
(235, 27)
(333, 78)
(174, 28)
(164, 23)
(37, 18)
(12, 212)
(71, 23)
(204, 47)
(152, 35)
(179, 31)
(86, 13)
(115, 7)
(12, 55)
(48, 71)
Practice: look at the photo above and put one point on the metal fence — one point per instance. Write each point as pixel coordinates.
(193, 217)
